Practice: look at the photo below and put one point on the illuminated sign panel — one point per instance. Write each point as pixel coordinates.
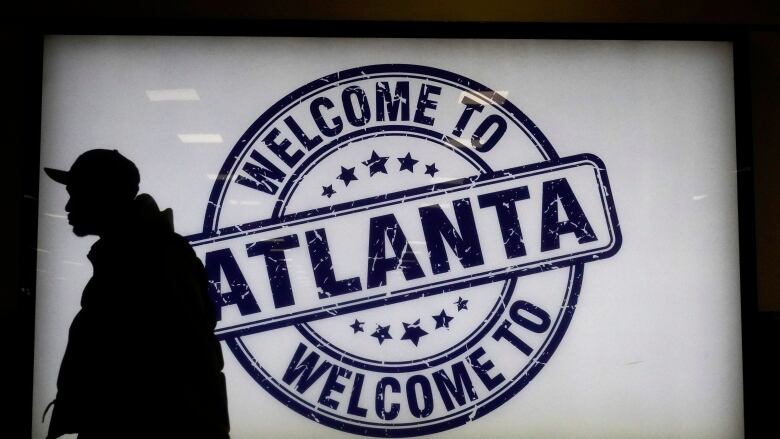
(397, 236)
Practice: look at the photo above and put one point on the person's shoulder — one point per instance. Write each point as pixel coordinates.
(180, 242)
(179, 248)
(155, 244)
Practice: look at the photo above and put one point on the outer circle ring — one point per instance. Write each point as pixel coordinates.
(264, 379)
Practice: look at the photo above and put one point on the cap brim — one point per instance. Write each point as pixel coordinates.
(58, 175)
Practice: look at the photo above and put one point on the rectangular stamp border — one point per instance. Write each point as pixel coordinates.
(402, 295)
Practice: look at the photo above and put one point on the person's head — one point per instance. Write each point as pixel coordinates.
(101, 184)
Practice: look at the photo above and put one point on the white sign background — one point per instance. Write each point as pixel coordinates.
(654, 349)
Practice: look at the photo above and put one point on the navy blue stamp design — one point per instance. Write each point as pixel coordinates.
(396, 250)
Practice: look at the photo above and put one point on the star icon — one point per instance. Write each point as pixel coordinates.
(407, 163)
(347, 175)
(462, 304)
(357, 326)
(413, 332)
(431, 169)
(376, 164)
(327, 191)
(382, 333)
(442, 320)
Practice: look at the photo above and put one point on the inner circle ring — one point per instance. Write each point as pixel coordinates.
(391, 366)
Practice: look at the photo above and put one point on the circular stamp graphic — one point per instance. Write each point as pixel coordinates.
(396, 250)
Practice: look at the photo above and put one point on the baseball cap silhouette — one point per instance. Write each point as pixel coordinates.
(101, 169)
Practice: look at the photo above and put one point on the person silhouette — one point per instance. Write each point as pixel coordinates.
(142, 359)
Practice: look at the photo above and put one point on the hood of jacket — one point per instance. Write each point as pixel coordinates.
(142, 221)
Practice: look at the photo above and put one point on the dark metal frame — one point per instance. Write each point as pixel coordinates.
(26, 153)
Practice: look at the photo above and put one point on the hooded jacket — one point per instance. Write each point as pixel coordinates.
(142, 359)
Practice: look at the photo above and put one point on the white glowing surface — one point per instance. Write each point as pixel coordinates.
(654, 349)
